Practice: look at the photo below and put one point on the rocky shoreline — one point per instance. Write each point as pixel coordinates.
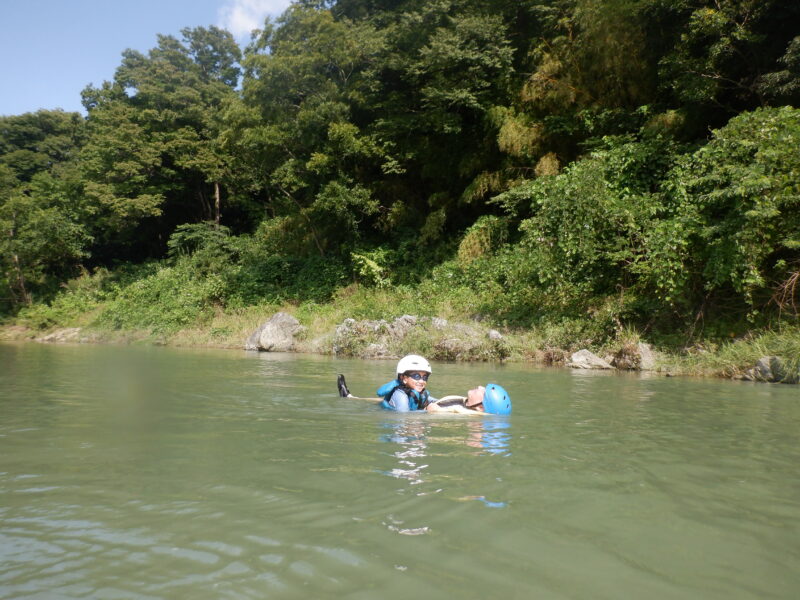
(435, 337)
(370, 339)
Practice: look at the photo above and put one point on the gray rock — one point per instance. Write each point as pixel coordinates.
(376, 351)
(647, 361)
(771, 369)
(583, 359)
(402, 325)
(438, 323)
(252, 341)
(634, 358)
(495, 335)
(62, 336)
(277, 334)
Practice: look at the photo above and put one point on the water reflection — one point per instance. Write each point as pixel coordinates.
(488, 436)
(411, 437)
(414, 435)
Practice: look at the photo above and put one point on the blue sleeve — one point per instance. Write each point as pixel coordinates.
(398, 402)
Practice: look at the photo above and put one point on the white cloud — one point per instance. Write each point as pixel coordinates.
(240, 17)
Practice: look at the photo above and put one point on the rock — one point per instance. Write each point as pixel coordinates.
(634, 358)
(583, 359)
(495, 335)
(375, 351)
(276, 335)
(771, 369)
(402, 325)
(15, 332)
(252, 341)
(61, 336)
(438, 323)
(647, 361)
(552, 356)
(453, 349)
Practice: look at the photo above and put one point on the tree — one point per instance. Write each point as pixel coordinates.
(154, 158)
(725, 49)
(43, 217)
(305, 87)
(40, 237)
(32, 143)
(734, 229)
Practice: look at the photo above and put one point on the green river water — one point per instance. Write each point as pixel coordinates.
(163, 473)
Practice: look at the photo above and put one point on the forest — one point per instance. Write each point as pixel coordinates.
(587, 169)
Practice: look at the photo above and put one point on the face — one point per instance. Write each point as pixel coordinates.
(418, 384)
(475, 398)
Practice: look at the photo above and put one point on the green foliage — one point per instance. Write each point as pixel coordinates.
(784, 84)
(38, 142)
(373, 142)
(155, 156)
(43, 218)
(736, 222)
(486, 235)
(262, 274)
(80, 297)
(713, 236)
(208, 248)
(164, 302)
(41, 240)
(732, 357)
(370, 267)
(724, 49)
(588, 222)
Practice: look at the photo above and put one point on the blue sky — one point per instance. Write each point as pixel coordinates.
(51, 49)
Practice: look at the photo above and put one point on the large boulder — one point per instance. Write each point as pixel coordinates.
(276, 335)
(647, 358)
(253, 339)
(583, 359)
(635, 357)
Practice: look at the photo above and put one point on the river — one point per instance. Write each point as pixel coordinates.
(130, 472)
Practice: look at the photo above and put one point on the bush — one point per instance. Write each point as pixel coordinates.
(262, 276)
(68, 308)
(735, 226)
(584, 238)
(164, 302)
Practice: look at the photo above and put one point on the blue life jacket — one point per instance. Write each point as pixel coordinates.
(415, 401)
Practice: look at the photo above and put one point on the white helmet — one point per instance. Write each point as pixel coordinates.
(413, 362)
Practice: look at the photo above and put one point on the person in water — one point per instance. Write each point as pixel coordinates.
(408, 391)
(491, 399)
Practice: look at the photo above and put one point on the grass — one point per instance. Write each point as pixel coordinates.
(733, 358)
(198, 322)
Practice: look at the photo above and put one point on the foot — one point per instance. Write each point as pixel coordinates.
(343, 391)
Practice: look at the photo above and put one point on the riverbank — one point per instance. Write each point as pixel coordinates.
(758, 356)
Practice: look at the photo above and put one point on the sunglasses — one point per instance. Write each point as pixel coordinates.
(417, 376)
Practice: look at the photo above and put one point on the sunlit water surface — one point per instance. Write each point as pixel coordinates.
(160, 473)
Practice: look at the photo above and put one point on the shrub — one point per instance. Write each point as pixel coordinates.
(164, 302)
(735, 226)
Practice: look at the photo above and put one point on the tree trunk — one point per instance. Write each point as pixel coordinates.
(216, 204)
(20, 276)
(26, 298)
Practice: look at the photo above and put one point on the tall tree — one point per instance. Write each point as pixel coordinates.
(154, 158)
(726, 47)
(300, 126)
(43, 216)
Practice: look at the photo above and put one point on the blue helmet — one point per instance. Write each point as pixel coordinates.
(496, 400)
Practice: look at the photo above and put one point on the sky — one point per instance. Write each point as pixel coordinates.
(50, 50)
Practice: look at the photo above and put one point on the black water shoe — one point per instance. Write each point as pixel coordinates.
(343, 391)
